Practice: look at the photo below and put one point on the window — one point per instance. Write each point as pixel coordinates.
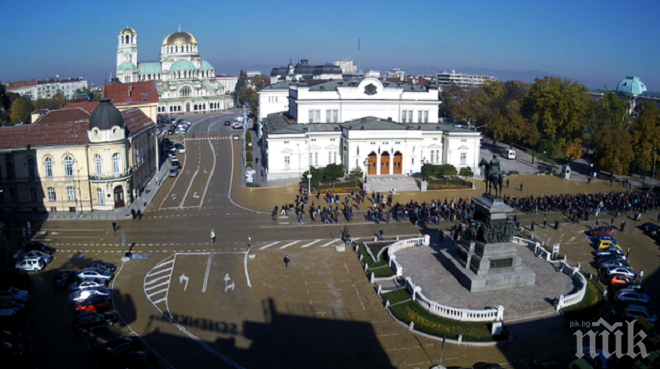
(335, 158)
(432, 156)
(98, 164)
(318, 116)
(327, 116)
(313, 140)
(116, 165)
(335, 116)
(329, 157)
(463, 140)
(12, 195)
(100, 196)
(333, 139)
(419, 116)
(48, 166)
(316, 158)
(403, 116)
(52, 197)
(33, 194)
(185, 91)
(463, 158)
(70, 194)
(426, 116)
(311, 116)
(68, 166)
(30, 168)
(397, 143)
(287, 162)
(53, 210)
(410, 115)
(286, 142)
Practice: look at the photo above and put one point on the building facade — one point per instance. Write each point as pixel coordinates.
(184, 81)
(381, 127)
(48, 88)
(446, 79)
(304, 71)
(76, 162)
(346, 66)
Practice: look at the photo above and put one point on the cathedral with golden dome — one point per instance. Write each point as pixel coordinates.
(185, 82)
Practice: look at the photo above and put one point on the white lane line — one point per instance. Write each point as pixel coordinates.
(245, 262)
(311, 243)
(156, 286)
(164, 299)
(183, 199)
(269, 245)
(157, 292)
(289, 244)
(231, 181)
(156, 280)
(208, 181)
(328, 244)
(208, 269)
(164, 262)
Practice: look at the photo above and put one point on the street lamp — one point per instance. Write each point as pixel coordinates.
(309, 184)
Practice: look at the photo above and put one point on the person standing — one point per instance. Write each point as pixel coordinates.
(545, 222)
(287, 259)
(114, 227)
(213, 236)
(623, 226)
(532, 227)
(381, 234)
(628, 252)
(521, 186)
(507, 183)
(556, 225)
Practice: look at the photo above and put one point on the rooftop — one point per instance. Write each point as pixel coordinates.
(132, 93)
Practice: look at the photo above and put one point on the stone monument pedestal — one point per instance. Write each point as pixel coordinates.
(486, 259)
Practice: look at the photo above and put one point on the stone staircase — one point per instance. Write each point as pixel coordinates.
(524, 329)
(384, 184)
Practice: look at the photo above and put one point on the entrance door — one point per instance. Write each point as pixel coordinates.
(385, 163)
(398, 159)
(188, 107)
(119, 197)
(373, 161)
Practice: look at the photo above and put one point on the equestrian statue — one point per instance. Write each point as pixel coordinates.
(493, 175)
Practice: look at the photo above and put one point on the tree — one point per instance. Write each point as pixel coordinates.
(240, 84)
(20, 110)
(462, 112)
(356, 173)
(317, 176)
(614, 151)
(558, 107)
(465, 172)
(574, 150)
(333, 172)
(645, 138)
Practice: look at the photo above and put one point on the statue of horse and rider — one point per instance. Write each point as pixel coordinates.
(493, 175)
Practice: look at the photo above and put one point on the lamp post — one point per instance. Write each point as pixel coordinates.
(365, 170)
(309, 184)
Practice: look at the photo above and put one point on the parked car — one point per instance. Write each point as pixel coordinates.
(610, 259)
(111, 350)
(95, 273)
(11, 349)
(650, 228)
(174, 171)
(89, 321)
(607, 244)
(88, 283)
(604, 237)
(173, 157)
(597, 358)
(103, 265)
(176, 164)
(650, 361)
(617, 279)
(636, 311)
(235, 137)
(631, 296)
(39, 246)
(624, 271)
(612, 251)
(95, 303)
(634, 285)
(34, 254)
(181, 148)
(227, 123)
(30, 264)
(83, 295)
(166, 141)
(14, 294)
(602, 230)
(613, 263)
(8, 317)
(63, 277)
(13, 305)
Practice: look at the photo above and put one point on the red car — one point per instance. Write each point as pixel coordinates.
(603, 230)
(95, 303)
(618, 279)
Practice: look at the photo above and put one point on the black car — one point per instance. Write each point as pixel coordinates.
(89, 321)
(227, 123)
(63, 277)
(16, 306)
(637, 286)
(136, 360)
(38, 246)
(6, 336)
(179, 146)
(176, 164)
(9, 349)
(103, 265)
(112, 350)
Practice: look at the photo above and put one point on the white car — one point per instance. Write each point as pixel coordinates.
(82, 295)
(235, 137)
(34, 254)
(95, 273)
(31, 264)
(88, 283)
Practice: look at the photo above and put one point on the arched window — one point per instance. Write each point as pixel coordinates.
(116, 165)
(98, 164)
(48, 167)
(52, 197)
(100, 196)
(128, 39)
(30, 168)
(68, 166)
(185, 91)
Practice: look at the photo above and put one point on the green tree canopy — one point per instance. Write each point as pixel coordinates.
(614, 151)
(20, 110)
(645, 138)
(333, 172)
(356, 173)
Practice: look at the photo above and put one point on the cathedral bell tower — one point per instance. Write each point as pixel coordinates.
(127, 55)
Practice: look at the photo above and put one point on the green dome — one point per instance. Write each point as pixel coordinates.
(182, 65)
(632, 86)
(126, 66)
(206, 66)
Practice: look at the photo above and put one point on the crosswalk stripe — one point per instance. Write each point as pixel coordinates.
(328, 244)
(157, 292)
(156, 280)
(289, 244)
(165, 262)
(311, 243)
(156, 286)
(269, 245)
(161, 300)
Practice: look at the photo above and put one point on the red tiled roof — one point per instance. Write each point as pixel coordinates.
(64, 115)
(65, 131)
(87, 106)
(132, 93)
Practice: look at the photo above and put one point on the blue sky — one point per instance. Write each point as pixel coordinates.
(595, 42)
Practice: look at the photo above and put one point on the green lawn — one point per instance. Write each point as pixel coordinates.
(397, 296)
(589, 307)
(380, 268)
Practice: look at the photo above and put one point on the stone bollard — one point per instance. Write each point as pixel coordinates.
(460, 339)
(371, 277)
(361, 257)
(387, 304)
(380, 287)
(397, 237)
(375, 238)
(366, 267)
(416, 290)
(411, 326)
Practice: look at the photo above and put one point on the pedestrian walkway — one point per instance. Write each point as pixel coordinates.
(386, 184)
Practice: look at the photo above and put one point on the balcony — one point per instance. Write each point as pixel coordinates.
(110, 177)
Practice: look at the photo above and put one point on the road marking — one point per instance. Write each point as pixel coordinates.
(311, 243)
(269, 245)
(289, 244)
(157, 292)
(208, 269)
(156, 280)
(328, 244)
(182, 278)
(156, 286)
(228, 286)
(164, 299)
(189, 186)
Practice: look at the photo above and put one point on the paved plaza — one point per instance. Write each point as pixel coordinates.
(423, 265)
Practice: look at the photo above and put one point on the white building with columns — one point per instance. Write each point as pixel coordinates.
(185, 82)
(382, 127)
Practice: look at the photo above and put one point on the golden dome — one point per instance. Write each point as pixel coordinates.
(128, 31)
(180, 38)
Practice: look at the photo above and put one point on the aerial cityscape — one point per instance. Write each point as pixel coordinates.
(338, 185)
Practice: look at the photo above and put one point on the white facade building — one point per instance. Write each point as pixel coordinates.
(372, 74)
(46, 89)
(384, 128)
(304, 71)
(185, 82)
(346, 66)
(396, 73)
(445, 79)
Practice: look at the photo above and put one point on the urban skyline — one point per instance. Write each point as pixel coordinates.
(594, 43)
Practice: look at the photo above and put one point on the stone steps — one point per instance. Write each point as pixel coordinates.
(384, 184)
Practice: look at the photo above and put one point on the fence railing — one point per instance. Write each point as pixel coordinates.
(574, 298)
